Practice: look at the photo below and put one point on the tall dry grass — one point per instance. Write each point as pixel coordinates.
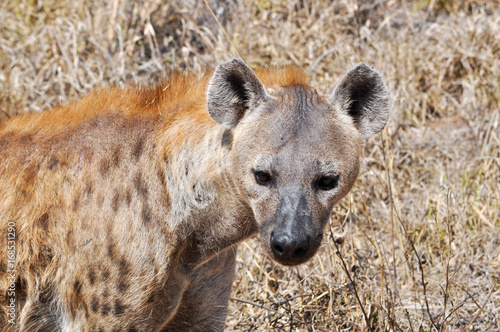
(416, 245)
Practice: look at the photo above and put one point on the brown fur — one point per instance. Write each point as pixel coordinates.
(126, 208)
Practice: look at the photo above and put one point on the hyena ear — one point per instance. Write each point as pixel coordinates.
(363, 96)
(234, 89)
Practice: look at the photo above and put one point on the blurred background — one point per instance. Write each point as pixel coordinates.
(416, 245)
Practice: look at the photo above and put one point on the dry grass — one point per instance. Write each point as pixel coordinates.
(426, 257)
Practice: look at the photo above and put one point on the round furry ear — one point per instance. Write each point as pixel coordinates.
(362, 95)
(233, 90)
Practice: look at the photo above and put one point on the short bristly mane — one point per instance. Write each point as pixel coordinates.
(175, 91)
(283, 77)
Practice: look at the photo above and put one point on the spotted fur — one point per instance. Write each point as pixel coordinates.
(128, 205)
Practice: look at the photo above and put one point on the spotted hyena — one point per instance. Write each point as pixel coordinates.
(122, 212)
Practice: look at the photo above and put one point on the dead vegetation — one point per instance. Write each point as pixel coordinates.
(416, 245)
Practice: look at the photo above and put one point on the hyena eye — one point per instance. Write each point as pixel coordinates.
(328, 182)
(262, 178)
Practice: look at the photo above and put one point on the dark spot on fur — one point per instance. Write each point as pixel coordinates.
(140, 186)
(165, 200)
(21, 288)
(105, 274)
(76, 300)
(100, 199)
(26, 139)
(146, 214)
(29, 177)
(132, 329)
(77, 287)
(44, 221)
(3, 267)
(128, 197)
(122, 286)
(46, 255)
(105, 309)
(115, 201)
(69, 238)
(227, 138)
(151, 299)
(197, 197)
(161, 177)
(91, 276)
(53, 163)
(100, 330)
(111, 247)
(63, 160)
(94, 304)
(104, 167)
(46, 296)
(124, 268)
(76, 202)
(88, 189)
(94, 122)
(84, 305)
(118, 307)
(139, 145)
(116, 156)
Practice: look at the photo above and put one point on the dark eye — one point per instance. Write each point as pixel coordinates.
(328, 182)
(262, 178)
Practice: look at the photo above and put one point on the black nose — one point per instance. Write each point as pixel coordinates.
(289, 247)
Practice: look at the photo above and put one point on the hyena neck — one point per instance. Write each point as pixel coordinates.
(206, 196)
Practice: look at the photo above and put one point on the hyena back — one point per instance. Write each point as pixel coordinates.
(127, 206)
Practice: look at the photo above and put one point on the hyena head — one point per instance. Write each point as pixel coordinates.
(295, 154)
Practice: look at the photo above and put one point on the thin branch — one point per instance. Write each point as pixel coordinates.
(481, 309)
(424, 283)
(255, 304)
(223, 30)
(268, 309)
(344, 266)
(389, 189)
(7, 114)
(460, 305)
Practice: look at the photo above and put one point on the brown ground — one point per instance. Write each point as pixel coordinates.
(427, 259)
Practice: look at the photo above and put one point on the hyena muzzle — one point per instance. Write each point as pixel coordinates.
(122, 212)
